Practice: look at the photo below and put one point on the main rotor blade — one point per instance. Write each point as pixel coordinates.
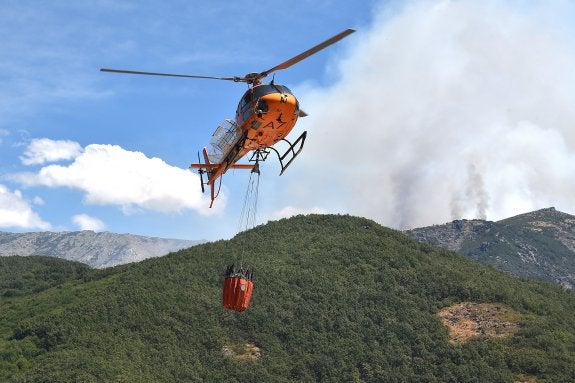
(169, 74)
(309, 52)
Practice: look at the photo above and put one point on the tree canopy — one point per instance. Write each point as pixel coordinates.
(336, 298)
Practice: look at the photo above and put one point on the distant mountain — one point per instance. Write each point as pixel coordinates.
(98, 250)
(539, 245)
(336, 299)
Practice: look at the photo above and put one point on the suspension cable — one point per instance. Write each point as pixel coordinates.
(250, 207)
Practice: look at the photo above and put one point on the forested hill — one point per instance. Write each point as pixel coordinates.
(336, 298)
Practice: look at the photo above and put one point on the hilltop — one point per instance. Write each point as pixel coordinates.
(539, 244)
(336, 298)
(96, 249)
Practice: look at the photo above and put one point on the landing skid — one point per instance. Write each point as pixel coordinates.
(290, 154)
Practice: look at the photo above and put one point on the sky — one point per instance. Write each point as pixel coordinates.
(433, 110)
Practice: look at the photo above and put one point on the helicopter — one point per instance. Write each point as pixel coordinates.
(265, 115)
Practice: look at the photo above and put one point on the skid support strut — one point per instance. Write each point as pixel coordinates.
(291, 153)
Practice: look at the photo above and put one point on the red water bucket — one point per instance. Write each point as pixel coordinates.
(238, 288)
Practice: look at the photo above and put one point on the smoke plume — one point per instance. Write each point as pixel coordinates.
(446, 110)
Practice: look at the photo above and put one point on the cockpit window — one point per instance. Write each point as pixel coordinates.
(262, 90)
(285, 89)
(245, 101)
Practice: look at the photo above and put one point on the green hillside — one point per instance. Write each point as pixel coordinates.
(26, 275)
(336, 298)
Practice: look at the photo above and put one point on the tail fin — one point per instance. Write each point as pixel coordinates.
(201, 173)
(208, 168)
(214, 171)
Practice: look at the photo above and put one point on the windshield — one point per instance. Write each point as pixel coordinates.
(262, 90)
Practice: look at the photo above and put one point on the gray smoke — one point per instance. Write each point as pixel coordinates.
(447, 109)
(475, 198)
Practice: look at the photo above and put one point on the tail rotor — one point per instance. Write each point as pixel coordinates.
(201, 173)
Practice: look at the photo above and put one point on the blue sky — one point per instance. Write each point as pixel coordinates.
(431, 111)
(53, 90)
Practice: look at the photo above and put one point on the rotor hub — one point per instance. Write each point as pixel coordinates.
(252, 78)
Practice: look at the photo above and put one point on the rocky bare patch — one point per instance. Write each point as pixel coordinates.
(469, 320)
(245, 351)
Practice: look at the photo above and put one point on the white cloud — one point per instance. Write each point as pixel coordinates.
(449, 109)
(16, 212)
(290, 211)
(42, 150)
(86, 222)
(111, 175)
(38, 200)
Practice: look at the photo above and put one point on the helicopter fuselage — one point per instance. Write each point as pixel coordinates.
(266, 114)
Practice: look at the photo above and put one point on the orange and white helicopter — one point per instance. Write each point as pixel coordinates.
(266, 114)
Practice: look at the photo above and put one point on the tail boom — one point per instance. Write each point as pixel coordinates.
(215, 171)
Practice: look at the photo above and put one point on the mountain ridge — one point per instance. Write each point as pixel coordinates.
(96, 249)
(539, 244)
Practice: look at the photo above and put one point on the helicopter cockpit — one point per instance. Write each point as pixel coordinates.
(253, 96)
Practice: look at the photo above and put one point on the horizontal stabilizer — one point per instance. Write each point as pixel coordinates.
(204, 166)
(215, 166)
(242, 166)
